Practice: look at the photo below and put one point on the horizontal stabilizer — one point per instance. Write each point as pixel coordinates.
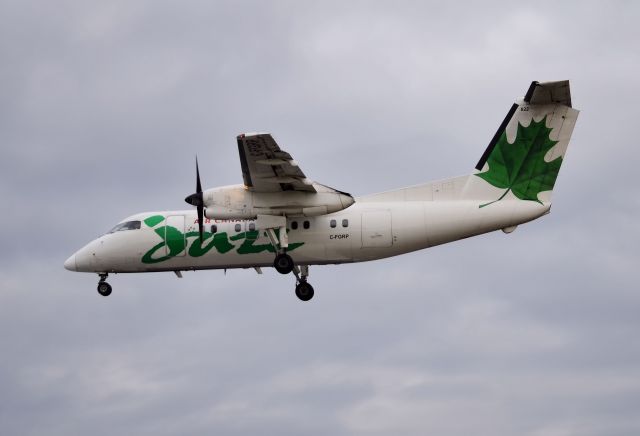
(549, 93)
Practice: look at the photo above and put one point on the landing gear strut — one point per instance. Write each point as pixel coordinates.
(104, 288)
(304, 290)
(283, 263)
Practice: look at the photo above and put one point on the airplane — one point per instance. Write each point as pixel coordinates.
(278, 217)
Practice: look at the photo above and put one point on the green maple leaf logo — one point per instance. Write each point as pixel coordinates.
(520, 167)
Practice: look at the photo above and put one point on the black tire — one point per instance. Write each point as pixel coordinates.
(283, 263)
(304, 291)
(104, 289)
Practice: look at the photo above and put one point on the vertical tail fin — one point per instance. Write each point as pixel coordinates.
(524, 157)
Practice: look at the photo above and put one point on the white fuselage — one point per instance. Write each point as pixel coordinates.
(278, 217)
(368, 230)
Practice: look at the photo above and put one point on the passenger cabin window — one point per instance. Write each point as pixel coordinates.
(345, 223)
(214, 228)
(332, 223)
(294, 225)
(238, 227)
(129, 225)
(306, 224)
(252, 227)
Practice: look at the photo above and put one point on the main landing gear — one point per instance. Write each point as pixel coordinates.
(283, 263)
(304, 290)
(104, 288)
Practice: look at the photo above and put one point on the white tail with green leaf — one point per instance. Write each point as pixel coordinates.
(524, 157)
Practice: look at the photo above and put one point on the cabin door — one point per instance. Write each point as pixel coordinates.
(376, 229)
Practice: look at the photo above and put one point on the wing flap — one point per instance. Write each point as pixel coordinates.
(267, 168)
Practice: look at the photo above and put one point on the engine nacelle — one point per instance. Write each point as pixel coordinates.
(237, 202)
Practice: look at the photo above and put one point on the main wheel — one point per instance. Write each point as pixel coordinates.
(304, 291)
(283, 263)
(104, 289)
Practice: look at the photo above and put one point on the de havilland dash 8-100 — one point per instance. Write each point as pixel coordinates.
(280, 218)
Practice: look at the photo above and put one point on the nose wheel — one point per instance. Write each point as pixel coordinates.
(104, 288)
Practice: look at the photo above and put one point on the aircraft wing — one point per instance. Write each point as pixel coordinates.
(266, 168)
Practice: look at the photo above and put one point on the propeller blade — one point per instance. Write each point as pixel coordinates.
(197, 200)
(200, 221)
(198, 185)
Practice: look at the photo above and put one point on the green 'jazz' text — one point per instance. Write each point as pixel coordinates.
(174, 242)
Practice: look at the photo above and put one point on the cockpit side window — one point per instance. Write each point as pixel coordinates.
(129, 225)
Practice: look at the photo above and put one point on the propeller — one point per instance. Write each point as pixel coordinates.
(197, 200)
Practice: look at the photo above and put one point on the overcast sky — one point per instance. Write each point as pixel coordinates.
(103, 106)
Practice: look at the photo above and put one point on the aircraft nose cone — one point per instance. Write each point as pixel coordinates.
(70, 263)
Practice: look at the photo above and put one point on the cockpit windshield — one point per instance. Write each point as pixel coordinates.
(129, 225)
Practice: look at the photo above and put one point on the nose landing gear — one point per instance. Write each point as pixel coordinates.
(104, 288)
